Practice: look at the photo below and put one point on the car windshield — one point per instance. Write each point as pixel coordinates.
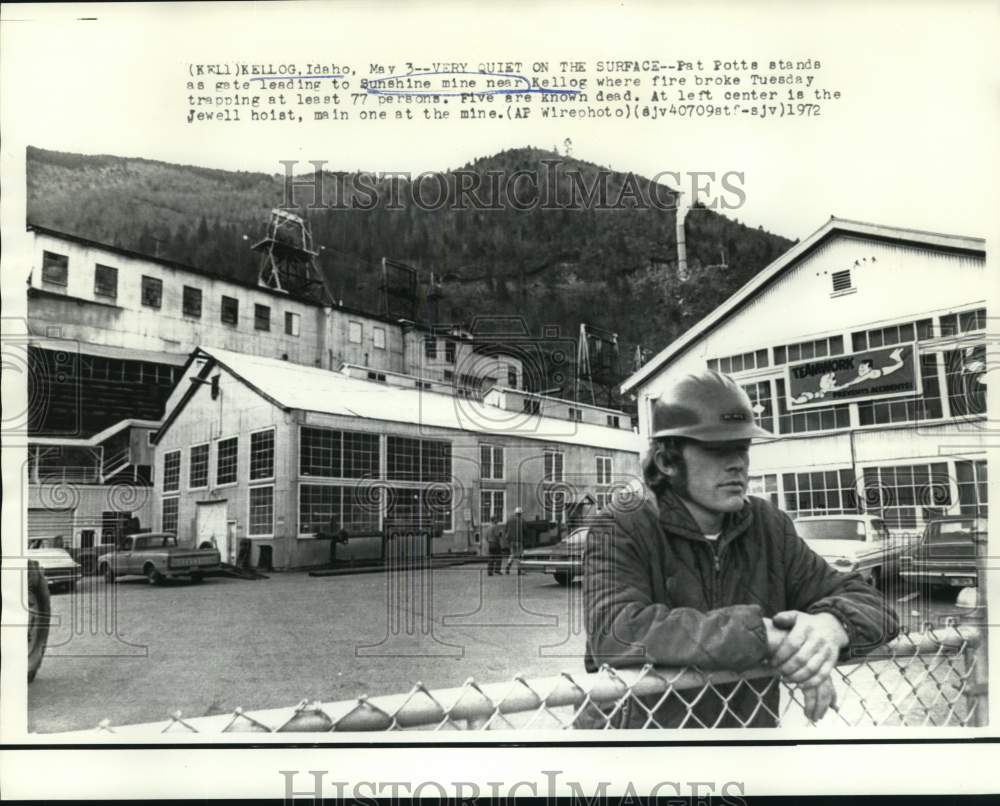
(831, 530)
(155, 542)
(577, 537)
(952, 532)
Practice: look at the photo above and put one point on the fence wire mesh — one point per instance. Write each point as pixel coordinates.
(935, 678)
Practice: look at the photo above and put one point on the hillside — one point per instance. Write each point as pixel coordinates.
(614, 269)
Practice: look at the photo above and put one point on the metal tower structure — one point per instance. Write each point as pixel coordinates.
(288, 259)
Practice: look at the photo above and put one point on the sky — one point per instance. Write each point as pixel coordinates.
(910, 143)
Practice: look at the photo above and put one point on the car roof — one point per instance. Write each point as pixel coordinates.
(839, 518)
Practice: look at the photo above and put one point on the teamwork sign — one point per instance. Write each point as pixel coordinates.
(872, 374)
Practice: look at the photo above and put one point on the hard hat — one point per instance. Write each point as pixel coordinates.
(707, 406)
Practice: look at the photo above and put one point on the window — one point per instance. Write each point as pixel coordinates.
(965, 322)
(531, 406)
(378, 377)
(841, 281)
(105, 281)
(330, 453)
(230, 310)
(804, 350)
(492, 506)
(191, 302)
(261, 317)
(424, 460)
(553, 470)
(972, 488)
(226, 460)
(171, 471)
(378, 338)
(168, 514)
(908, 409)
(449, 352)
(739, 363)
(321, 506)
(198, 467)
(760, 404)
(491, 462)
(152, 291)
(888, 336)
(825, 418)
(512, 377)
(424, 508)
(430, 347)
(55, 268)
(354, 332)
(576, 415)
(554, 505)
(603, 469)
(821, 492)
(965, 371)
(614, 421)
(907, 496)
(765, 487)
(261, 518)
(292, 321)
(262, 455)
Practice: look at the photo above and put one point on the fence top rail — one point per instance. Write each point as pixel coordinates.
(473, 702)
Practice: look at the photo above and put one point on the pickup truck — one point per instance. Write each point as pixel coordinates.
(946, 553)
(156, 556)
(855, 543)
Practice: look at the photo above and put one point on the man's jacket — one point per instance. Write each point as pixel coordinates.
(657, 591)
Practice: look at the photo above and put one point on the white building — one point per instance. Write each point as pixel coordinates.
(273, 452)
(910, 444)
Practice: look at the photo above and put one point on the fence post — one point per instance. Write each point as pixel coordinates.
(978, 696)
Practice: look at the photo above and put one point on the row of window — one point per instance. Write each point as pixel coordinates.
(965, 392)
(55, 271)
(226, 462)
(356, 334)
(331, 507)
(431, 349)
(953, 324)
(904, 496)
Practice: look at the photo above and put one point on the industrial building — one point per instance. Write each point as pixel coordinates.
(111, 338)
(280, 454)
(863, 349)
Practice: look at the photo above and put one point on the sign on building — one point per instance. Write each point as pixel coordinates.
(867, 375)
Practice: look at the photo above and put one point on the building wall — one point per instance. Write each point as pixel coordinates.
(77, 313)
(894, 284)
(88, 504)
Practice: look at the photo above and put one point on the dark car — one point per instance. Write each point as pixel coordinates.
(564, 560)
(946, 554)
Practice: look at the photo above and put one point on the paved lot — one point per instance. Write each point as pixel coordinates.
(137, 652)
(133, 652)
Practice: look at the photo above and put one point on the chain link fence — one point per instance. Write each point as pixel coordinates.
(935, 678)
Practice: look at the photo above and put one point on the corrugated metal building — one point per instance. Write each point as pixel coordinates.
(863, 349)
(277, 453)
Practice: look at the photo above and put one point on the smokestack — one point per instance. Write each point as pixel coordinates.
(682, 260)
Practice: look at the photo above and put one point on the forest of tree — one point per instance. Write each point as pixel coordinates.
(614, 269)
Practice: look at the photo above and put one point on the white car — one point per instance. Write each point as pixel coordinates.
(58, 567)
(854, 543)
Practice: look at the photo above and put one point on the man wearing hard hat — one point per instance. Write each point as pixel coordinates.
(693, 572)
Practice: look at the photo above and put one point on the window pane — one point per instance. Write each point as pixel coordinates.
(226, 461)
(262, 455)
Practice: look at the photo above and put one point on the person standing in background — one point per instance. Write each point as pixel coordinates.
(515, 536)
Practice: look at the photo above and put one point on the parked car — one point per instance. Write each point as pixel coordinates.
(945, 556)
(854, 543)
(39, 615)
(59, 568)
(564, 560)
(156, 556)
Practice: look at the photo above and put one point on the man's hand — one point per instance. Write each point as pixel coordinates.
(810, 648)
(774, 636)
(817, 699)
